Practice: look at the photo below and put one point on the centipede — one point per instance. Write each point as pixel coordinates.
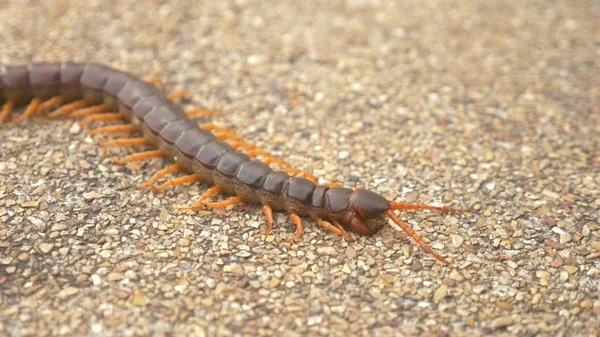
(204, 153)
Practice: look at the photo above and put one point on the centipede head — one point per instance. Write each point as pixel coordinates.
(361, 210)
(366, 212)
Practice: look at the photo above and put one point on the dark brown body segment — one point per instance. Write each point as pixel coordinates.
(15, 80)
(70, 73)
(135, 90)
(299, 195)
(94, 76)
(250, 179)
(227, 168)
(44, 79)
(337, 199)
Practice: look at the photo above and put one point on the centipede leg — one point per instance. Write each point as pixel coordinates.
(141, 156)
(273, 160)
(125, 128)
(242, 145)
(295, 171)
(310, 177)
(227, 136)
(168, 170)
(177, 181)
(126, 142)
(270, 159)
(51, 102)
(6, 110)
(405, 227)
(297, 220)
(66, 109)
(30, 110)
(97, 109)
(201, 112)
(154, 80)
(337, 224)
(211, 127)
(177, 95)
(225, 203)
(268, 212)
(101, 117)
(207, 194)
(334, 229)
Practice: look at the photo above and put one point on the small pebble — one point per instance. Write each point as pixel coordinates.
(502, 322)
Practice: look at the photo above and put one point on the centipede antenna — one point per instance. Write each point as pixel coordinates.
(405, 227)
(405, 207)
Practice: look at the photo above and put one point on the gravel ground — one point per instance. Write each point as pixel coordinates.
(492, 107)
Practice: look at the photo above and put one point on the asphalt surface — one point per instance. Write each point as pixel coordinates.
(488, 107)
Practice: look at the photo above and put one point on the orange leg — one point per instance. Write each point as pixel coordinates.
(310, 177)
(201, 112)
(270, 158)
(227, 135)
(225, 203)
(32, 108)
(292, 171)
(254, 153)
(211, 127)
(333, 185)
(268, 211)
(6, 110)
(141, 156)
(340, 227)
(273, 160)
(297, 220)
(154, 80)
(126, 142)
(404, 207)
(242, 145)
(207, 194)
(295, 171)
(177, 95)
(101, 117)
(127, 128)
(332, 228)
(405, 227)
(51, 102)
(66, 109)
(168, 170)
(177, 181)
(90, 111)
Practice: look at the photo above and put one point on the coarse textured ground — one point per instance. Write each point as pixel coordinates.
(487, 106)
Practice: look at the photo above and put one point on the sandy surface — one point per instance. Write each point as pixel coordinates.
(488, 107)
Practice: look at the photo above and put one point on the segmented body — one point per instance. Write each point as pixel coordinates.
(194, 150)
